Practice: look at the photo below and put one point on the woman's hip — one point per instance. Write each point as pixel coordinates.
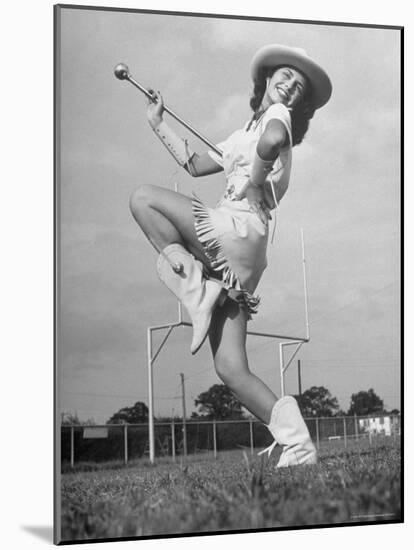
(238, 233)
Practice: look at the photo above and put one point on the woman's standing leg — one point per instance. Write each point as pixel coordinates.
(283, 417)
(228, 343)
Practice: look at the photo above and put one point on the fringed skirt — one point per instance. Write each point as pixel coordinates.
(235, 241)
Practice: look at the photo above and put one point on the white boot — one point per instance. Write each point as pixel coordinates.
(197, 294)
(289, 430)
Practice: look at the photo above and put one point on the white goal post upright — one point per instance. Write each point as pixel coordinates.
(152, 355)
(298, 342)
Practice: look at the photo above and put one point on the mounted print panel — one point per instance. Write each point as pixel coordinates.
(228, 274)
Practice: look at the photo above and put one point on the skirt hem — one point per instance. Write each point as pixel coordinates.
(219, 263)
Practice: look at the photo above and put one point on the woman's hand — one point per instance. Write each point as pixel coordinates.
(155, 109)
(256, 198)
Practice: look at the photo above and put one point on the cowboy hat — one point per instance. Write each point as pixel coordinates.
(274, 55)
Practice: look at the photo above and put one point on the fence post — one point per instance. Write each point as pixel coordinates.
(251, 437)
(173, 439)
(356, 427)
(317, 432)
(72, 446)
(369, 436)
(345, 440)
(126, 444)
(215, 438)
(396, 426)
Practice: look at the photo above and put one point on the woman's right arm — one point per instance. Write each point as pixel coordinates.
(196, 165)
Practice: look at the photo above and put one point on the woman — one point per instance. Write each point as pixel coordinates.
(212, 259)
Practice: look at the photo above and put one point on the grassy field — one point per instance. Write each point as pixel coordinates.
(234, 492)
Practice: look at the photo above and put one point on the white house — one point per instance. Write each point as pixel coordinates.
(376, 425)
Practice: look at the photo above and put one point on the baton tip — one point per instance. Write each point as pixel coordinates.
(121, 71)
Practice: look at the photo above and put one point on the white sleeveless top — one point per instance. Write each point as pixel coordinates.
(239, 151)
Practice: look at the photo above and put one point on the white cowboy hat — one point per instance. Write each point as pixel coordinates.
(274, 55)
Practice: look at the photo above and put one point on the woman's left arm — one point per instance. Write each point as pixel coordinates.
(272, 140)
(268, 147)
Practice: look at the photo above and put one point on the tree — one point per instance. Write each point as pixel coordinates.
(365, 402)
(317, 401)
(219, 402)
(130, 415)
(72, 419)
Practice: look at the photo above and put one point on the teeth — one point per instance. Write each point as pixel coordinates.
(282, 92)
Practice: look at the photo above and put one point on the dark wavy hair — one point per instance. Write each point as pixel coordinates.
(300, 115)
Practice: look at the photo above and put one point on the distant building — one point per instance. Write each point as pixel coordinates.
(377, 425)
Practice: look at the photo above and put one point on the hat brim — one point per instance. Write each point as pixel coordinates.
(275, 55)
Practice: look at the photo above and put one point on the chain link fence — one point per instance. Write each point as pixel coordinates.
(122, 443)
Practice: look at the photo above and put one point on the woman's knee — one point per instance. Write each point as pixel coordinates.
(141, 198)
(231, 369)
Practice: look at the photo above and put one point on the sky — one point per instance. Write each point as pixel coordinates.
(344, 193)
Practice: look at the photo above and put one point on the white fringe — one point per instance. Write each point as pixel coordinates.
(218, 261)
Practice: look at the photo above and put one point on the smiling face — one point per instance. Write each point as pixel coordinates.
(287, 85)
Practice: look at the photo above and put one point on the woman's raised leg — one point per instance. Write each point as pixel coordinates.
(166, 217)
(228, 343)
(167, 220)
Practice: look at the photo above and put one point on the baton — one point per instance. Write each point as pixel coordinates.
(121, 71)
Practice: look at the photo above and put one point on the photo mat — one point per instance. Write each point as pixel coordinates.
(126, 468)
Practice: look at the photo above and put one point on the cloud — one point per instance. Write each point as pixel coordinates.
(229, 115)
(90, 333)
(233, 35)
(102, 253)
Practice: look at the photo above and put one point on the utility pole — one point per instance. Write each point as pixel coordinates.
(184, 415)
(299, 380)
